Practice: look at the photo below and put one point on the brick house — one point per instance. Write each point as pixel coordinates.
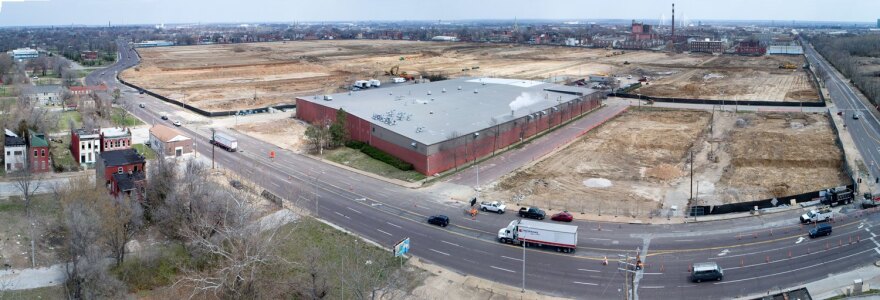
(85, 145)
(115, 162)
(39, 147)
(115, 139)
(170, 143)
(128, 185)
(15, 151)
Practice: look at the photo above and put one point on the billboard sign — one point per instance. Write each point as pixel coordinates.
(401, 248)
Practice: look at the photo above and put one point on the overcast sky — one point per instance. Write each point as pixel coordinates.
(97, 12)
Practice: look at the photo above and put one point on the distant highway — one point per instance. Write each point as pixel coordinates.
(759, 254)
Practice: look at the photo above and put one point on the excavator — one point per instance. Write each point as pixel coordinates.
(395, 71)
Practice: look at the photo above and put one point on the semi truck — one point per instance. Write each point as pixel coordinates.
(539, 234)
(225, 141)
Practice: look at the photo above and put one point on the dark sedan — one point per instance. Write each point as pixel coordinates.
(439, 220)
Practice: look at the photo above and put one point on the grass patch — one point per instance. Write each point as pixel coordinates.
(7, 91)
(65, 118)
(41, 204)
(49, 292)
(152, 270)
(62, 159)
(129, 121)
(358, 160)
(147, 152)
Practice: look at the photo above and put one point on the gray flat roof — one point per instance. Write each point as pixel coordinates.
(429, 112)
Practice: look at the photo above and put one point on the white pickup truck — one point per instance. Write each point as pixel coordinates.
(817, 215)
(494, 206)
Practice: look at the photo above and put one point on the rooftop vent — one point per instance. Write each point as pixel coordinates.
(459, 87)
(475, 91)
(429, 92)
(443, 91)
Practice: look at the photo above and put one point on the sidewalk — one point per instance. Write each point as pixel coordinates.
(8, 185)
(23, 279)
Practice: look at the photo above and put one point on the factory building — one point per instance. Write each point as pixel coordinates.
(25, 53)
(440, 125)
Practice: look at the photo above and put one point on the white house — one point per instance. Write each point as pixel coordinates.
(45, 94)
(15, 148)
(85, 144)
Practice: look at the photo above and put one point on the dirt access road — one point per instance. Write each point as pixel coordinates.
(242, 76)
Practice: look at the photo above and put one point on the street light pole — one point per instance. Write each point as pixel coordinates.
(523, 290)
(476, 157)
(213, 145)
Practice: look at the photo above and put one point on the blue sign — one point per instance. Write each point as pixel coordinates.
(401, 248)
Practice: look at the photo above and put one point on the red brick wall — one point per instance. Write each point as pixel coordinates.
(109, 171)
(451, 154)
(39, 159)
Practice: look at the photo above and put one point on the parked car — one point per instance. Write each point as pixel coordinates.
(870, 203)
(177, 123)
(856, 116)
(563, 216)
(494, 206)
(822, 229)
(439, 220)
(164, 117)
(706, 271)
(531, 213)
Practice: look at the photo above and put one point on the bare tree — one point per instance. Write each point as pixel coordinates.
(28, 184)
(122, 219)
(69, 77)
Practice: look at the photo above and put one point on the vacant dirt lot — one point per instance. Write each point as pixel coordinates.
(286, 133)
(640, 162)
(732, 78)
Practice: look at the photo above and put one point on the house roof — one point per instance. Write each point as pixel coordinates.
(114, 132)
(88, 134)
(39, 89)
(38, 139)
(122, 157)
(12, 139)
(126, 181)
(167, 134)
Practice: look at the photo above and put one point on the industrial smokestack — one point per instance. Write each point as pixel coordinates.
(673, 22)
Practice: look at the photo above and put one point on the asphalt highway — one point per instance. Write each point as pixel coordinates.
(759, 254)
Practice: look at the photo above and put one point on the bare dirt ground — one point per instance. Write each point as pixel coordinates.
(227, 77)
(287, 133)
(732, 78)
(640, 162)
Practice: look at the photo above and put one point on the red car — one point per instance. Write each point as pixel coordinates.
(562, 217)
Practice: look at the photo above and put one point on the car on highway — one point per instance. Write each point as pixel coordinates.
(176, 123)
(562, 216)
(494, 206)
(439, 220)
(164, 117)
(820, 230)
(142, 105)
(856, 116)
(706, 271)
(531, 213)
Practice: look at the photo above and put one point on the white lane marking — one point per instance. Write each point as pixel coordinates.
(395, 225)
(794, 270)
(799, 240)
(598, 239)
(588, 270)
(352, 209)
(584, 283)
(646, 273)
(684, 286)
(276, 184)
(684, 240)
(380, 230)
(652, 287)
(723, 252)
(444, 253)
(508, 257)
(442, 241)
(341, 215)
(502, 269)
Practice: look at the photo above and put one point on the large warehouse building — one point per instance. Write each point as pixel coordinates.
(440, 125)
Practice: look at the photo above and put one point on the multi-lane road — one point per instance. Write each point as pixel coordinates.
(759, 254)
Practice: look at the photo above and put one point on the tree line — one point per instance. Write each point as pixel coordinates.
(849, 55)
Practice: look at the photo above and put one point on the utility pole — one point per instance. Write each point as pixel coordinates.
(692, 174)
(213, 145)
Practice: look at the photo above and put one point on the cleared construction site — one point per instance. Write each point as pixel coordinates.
(246, 76)
(639, 162)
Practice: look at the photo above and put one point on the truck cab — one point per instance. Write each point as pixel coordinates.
(494, 206)
(531, 213)
(817, 215)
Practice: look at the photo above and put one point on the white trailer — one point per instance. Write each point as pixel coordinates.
(398, 79)
(225, 141)
(540, 234)
(375, 83)
(361, 84)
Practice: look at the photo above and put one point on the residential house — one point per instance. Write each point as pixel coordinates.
(85, 145)
(39, 147)
(131, 184)
(115, 139)
(15, 148)
(118, 162)
(89, 55)
(85, 90)
(168, 142)
(45, 94)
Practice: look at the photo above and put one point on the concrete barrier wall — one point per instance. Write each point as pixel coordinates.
(201, 111)
(722, 102)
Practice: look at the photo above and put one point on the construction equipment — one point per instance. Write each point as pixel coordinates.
(788, 65)
(393, 71)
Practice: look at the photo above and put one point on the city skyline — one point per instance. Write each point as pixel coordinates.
(101, 12)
